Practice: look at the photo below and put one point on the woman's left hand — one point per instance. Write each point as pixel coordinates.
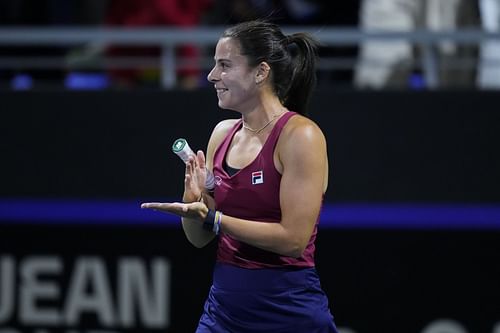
(195, 178)
(193, 210)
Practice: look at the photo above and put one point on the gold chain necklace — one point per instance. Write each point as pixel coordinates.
(257, 131)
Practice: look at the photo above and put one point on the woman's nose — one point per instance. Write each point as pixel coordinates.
(211, 77)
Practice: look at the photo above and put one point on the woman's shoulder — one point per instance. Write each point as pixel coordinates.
(219, 133)
(225, 125)
(299, 126)
(300, 134)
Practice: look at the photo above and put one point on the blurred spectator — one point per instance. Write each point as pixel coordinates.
(489, 63)
(390, 63)
(155, 13)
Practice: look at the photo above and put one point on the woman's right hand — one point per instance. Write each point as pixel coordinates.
(194, 178)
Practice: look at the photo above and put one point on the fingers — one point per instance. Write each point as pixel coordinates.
(155, 205)
(193, 161)
(194, 177)
(195, 210)
(190, 182)
(175, 207)
(197, 161)
(190, 166)
(190, 169)
(188, 175)
(201, 159)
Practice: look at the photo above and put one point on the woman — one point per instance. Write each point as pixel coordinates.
(271, 172)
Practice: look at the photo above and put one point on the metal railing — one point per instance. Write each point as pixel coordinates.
(169, 38)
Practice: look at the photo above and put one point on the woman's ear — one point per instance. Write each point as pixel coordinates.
(263, 71)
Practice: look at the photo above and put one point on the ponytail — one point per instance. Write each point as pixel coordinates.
(303, 49)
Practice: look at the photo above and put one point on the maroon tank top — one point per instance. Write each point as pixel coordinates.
(253, 193)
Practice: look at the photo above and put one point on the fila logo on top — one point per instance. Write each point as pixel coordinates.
(257, 177)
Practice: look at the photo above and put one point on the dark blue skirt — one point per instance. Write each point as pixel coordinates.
(265, 300)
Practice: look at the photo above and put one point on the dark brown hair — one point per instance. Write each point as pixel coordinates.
(292, 59)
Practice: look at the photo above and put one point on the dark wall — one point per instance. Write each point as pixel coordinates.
(383, 146)
(382, 281)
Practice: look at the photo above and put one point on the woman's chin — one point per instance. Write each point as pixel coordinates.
(222, 105)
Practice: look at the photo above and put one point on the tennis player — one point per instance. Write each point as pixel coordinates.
(271, 173)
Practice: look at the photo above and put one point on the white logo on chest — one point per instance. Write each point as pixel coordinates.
(257, 177)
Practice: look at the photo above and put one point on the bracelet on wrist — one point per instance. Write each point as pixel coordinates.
(218, 219)
(208, 223)
(212, 221)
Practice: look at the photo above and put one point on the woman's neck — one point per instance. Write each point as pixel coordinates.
(263, 114)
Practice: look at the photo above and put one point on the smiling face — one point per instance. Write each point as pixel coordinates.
(233, 78)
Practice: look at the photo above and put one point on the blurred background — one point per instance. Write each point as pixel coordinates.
(94, 92)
